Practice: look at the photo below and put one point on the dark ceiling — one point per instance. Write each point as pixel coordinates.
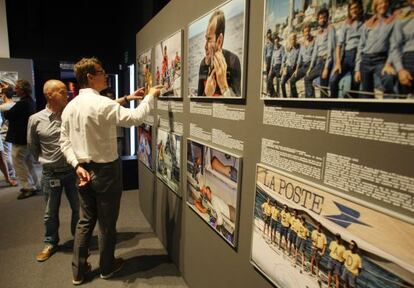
(52, 31)
(46, 30)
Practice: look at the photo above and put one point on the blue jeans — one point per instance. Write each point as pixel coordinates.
(285, 79)
(53, 184)
(301, 73)
(348, 66)
(274, 73)
(316, 72)
(372, 65)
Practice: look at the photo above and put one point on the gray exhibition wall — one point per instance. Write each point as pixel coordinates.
(249, 128)
(24, 67)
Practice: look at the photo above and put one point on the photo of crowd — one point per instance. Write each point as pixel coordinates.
(168, 62)
(306, 237)
(216, 53)
(144, 70)
(145, 145)
(342, 49)
(213, 181)
(168, 161)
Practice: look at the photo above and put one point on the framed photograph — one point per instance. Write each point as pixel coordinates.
(8, 79)
(144, 77)
(323, 50)
(216, 52)
(145, 145)
(305, 235)
(168, 163)
(213, 182)
(168, 63)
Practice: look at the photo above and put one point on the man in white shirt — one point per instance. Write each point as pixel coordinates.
(88, 141)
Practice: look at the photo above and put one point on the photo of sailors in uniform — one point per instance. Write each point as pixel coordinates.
(343, 49)
(294, 247)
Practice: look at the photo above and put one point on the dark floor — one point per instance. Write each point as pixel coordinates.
(21, 236)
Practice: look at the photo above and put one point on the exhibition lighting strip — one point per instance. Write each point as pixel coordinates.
(132, 106)
(116, 86)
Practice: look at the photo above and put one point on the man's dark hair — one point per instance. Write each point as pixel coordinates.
(220, 22)
(361, 9)
(25, 87)
(9, 92)
(83, 67)
(324, 11)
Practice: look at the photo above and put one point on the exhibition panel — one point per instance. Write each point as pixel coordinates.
(315, 50)
(216, 55)
(168, 54)
(213, 181)
(329, 175)
(145, 145)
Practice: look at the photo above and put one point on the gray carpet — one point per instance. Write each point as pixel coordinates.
(21, 238)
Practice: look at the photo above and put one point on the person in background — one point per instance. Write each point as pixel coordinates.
(289, 62)
(6, 165)
(336, 260)
(266, 214)
(402, 48)
(273, 222)
(275, 68)
(303, 234)
(318, 247)
(346, 47)
(43, 133)
(353, 265)
(23, 161)
(284, 227)
(268, 50)
(372, 56)
(322, 55)
(88, 141)
(304, 59)
(220, 69)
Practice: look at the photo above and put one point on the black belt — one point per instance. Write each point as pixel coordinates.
(58, 169)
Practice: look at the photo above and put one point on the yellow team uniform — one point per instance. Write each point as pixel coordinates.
(318, 239)
(267, 209)
(275, 213)
(352, 262)
(337, 251)
(285, 218)
(294, 224)
(303, 232)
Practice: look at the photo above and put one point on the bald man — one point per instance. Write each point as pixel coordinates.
(43, 135)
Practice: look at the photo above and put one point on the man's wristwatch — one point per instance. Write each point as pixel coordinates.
(126, 99)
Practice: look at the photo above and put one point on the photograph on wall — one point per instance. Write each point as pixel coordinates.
(168, 160)
(216, 52)
(8, 79)
(144, 72)
(344, 50)
(168, 58)
(306, 236)
(213, 182)
(145, 145)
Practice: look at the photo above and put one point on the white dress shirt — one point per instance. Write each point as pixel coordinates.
(88, 131)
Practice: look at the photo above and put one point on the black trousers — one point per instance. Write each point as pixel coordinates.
(99, 200)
